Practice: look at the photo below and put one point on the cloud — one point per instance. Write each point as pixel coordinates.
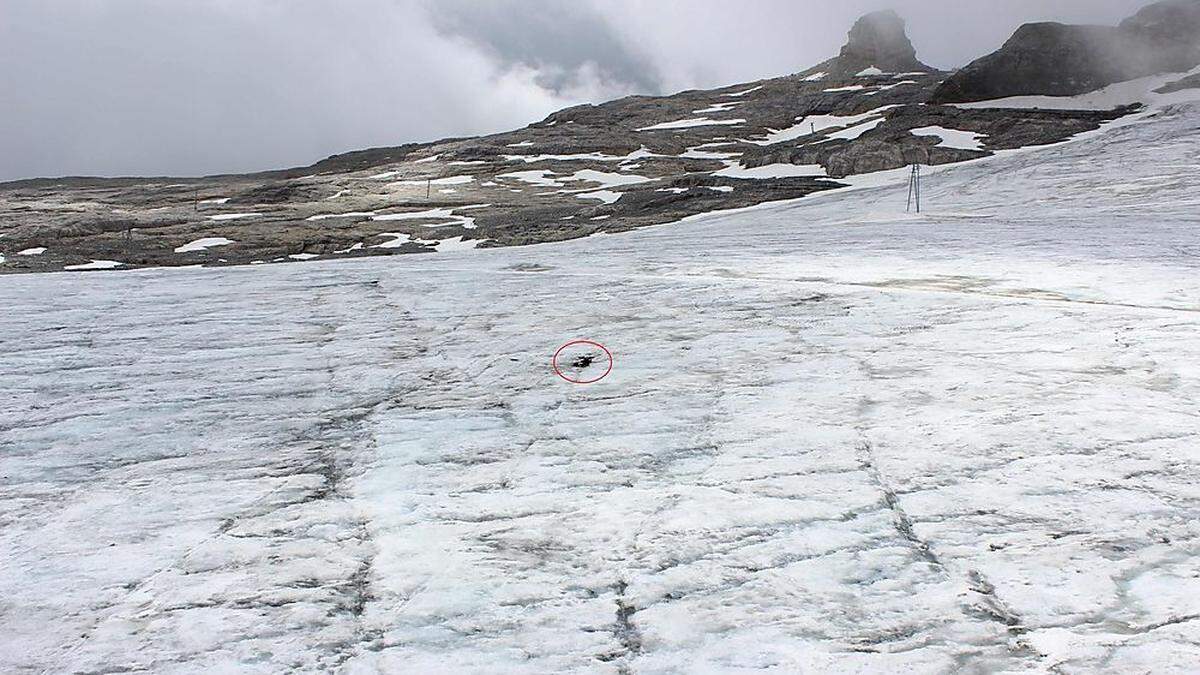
(145, 87)
(150, 88)
(572, 47)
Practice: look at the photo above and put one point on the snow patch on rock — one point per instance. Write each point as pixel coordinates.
(691, 123)
(952, 138)
(203, 243)
(233, 216)
(96, 265)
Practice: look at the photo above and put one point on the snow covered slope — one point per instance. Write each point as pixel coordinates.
(837, 438)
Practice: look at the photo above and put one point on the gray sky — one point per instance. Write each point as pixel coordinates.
(182, 87)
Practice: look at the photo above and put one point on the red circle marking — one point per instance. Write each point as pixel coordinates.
(554, 361)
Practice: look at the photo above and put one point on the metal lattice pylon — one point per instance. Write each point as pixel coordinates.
(914, 188)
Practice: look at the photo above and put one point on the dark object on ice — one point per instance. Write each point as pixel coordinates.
(583, 361)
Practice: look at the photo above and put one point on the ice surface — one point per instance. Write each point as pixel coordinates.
(37, 250)
(836, 439)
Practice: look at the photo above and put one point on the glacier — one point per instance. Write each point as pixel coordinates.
(837, 437)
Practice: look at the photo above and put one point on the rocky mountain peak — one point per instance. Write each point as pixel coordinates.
(1054, 59)
(879, 40)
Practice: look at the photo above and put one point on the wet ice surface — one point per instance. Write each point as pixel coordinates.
(836, 438)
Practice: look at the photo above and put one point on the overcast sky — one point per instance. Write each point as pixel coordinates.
(184, 87)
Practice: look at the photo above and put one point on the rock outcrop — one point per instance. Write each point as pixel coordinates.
(877, 40)
(1054, 59)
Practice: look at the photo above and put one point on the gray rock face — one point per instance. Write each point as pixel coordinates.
(879, 39)
(1055, 59)
(1051, 59)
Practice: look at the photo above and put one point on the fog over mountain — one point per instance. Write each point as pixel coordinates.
(204, 86)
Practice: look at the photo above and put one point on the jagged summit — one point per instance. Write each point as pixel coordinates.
(877, 40)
